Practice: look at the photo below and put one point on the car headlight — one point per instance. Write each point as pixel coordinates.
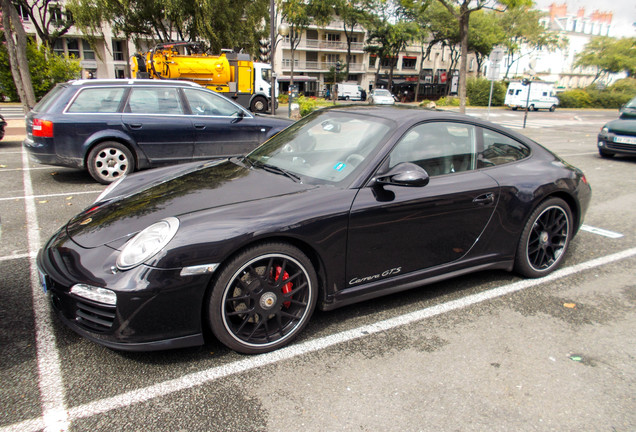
(147, 243)
(605, 130)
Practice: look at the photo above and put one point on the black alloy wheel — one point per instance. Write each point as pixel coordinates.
(263, 298)
(109, 161)
(544, 239)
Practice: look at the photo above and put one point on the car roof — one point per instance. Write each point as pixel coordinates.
(132, 82)
(410, 115)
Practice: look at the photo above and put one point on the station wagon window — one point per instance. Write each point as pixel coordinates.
(499, 150)
(209, 104)
(438, 147)
(159, 100)
(97, 100)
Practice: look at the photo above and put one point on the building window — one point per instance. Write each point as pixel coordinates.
(333, 37)
(22, 12)
(120, 73)
(372, 61)
(58, 47)
(72, 46)
(409, 62)
(55, 12)
(89, 54)
(118, 50)
(389, 61)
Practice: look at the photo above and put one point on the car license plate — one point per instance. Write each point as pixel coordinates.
(625, 140)
(43, 282)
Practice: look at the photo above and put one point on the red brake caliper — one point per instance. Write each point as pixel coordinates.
(287, 287)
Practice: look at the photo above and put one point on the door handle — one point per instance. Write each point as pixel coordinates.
(485, 199)
(199, 126)
(135, 125)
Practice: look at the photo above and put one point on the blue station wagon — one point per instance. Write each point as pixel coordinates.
(114, 127)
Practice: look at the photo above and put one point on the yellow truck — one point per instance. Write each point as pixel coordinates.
(232, 74)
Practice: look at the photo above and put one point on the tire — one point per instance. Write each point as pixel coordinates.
(109, 161)
(605, 154)
(259, 104)
(552, 108)
(252, 309)
(514, 108)
(544, 239)
(532, 108)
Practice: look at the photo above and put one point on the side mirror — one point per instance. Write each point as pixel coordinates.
(404, 174)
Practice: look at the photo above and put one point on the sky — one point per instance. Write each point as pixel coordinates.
(622, 21)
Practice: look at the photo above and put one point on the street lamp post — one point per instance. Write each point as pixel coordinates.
(283, 30)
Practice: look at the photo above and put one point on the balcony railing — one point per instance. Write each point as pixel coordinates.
(318, 66)
(316, 44)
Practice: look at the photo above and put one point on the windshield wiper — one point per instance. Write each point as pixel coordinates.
(275, 170)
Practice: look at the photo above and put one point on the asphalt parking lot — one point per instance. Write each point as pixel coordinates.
(489, 351)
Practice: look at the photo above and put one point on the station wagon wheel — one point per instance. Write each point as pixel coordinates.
(108, 161)
(545, 239)
(263, 298)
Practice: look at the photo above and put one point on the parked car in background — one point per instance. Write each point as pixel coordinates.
(3, 124)
(115, 127)
(347, 204)
(381, 97)
(619, 136)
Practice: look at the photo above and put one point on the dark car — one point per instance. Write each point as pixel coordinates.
(115, 127)
(619, 136)
(345, 205)
(3, 124)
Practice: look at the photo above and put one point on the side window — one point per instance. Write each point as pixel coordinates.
(209, 104)
(160, 100)
(499, 150)
(438, 147)
(97, 100)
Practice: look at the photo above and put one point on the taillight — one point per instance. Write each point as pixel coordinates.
(42, 128)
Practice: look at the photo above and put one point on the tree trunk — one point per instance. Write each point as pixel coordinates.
(17, 54)
(463, 62)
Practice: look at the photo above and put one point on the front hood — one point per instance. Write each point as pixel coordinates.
(622, 126)
(185, 191)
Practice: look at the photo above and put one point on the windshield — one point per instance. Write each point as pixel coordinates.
(382, 93)
(631, 103)
(327, 146)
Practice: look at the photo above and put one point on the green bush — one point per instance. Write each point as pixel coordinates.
(449, 101)
(609, 99)
(576, 98)
(47, 69)
(478, 92)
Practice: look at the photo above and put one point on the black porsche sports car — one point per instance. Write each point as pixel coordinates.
(345, 205)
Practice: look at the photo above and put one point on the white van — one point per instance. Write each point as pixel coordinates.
(542, 96)
(349, 91)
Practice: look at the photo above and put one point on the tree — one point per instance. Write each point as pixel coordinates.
(16, 42)
(352, 13)
(388, 34)
(485, 34)
(461, 10)
(46, 69)
(609, 55)
(297, 15)
(238, 24)
(522, 30)
(47, 18)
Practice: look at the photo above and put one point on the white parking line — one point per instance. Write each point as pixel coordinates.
(23, 169)
(55, 415)
(601, 232)
(250, 363)
(28, 197)
(20, 256)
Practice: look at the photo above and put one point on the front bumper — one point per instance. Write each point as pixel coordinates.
(616, 143)
(156, 309)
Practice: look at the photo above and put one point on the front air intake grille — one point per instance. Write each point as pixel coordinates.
(93, 317)
(620, 146)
